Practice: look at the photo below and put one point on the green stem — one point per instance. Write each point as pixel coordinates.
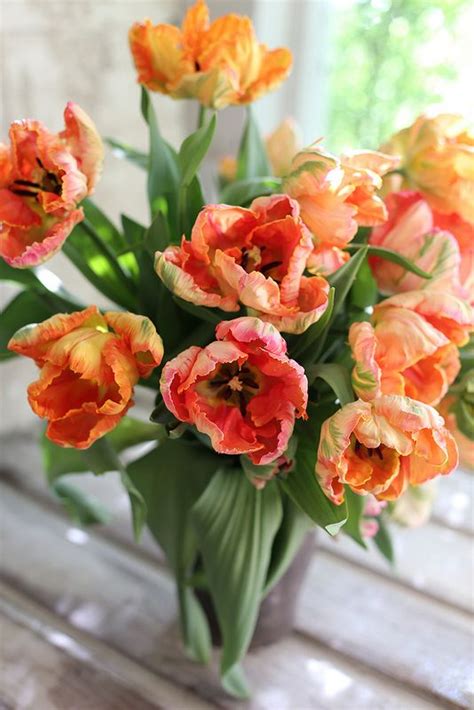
(109, 255)
(201, 116)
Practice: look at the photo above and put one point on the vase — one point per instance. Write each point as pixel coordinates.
(276, 618)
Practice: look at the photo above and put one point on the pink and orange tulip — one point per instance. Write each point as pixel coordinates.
(336, 197)
(253, 256)
(218, 63)
(43, 178)
(437, 159)
(442, 245)
(381, 447)
(409, 348)
(89, 364)
(241, 390)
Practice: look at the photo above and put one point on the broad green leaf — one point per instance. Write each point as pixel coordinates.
(124, 151)
(25, 308)
(148, 283)
(242, 192)
(101, 457)
(337, 377)
(343, 278)
(83, 509)
(235, 682)
(194, 149)
(393, 256)
(364, 290)
(191, 203)
(302, 485)
(26, 277)
(210, 315)
(96, 260)
(171, 478)
(355, 509)
(252, 160)
(294, 527)
(163, 170)
(384, 542)
(157, 236)
(236, 525)
(196, 633)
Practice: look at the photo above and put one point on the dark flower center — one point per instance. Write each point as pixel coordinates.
(364, 452)
(235, 384)
(47, 182)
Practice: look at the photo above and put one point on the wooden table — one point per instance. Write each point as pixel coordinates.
(88, 619)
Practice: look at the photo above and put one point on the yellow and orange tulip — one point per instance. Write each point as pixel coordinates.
(410, 346)
(89, 364)
(381, 447)
(437, 159)
(218, 63)
(336, 197)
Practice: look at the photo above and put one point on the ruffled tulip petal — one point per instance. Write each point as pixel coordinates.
(140, 337)
(84, 142)
(25, 248)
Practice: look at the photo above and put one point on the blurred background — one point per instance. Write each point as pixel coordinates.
(362, 68)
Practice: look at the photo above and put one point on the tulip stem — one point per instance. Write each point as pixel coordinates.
(201, 116)
(108, 254)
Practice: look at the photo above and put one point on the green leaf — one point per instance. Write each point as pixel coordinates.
(383, 541)
(236, 525)
(364, 290)
(294, 527)
(101, 457)
(242, 192)
(343, 278)
(82, 509)
(157, 236)
(96, 260)
(302, 485)
(148, 283)
(194, 149)
(163, 170)
(171, 478)
(252, 160)
(123, 151)
(25, 308)
(337, 377)
(210, 315)
(355, 510)
(26, 277)
(196, 632)
(235, 683)
(190, 203)
(393, 256)
(310, 343)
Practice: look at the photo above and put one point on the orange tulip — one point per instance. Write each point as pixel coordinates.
(437, 158)
(442, 245)
(43, 178)
(255, 257)
(89, 365)
(242, 390)
(218, 63)
(381, 447)
(336, 197)
(410, 346)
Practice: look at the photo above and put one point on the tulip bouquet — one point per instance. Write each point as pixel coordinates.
(305, 334)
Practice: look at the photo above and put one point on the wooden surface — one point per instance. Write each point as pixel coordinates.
(88, 620)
